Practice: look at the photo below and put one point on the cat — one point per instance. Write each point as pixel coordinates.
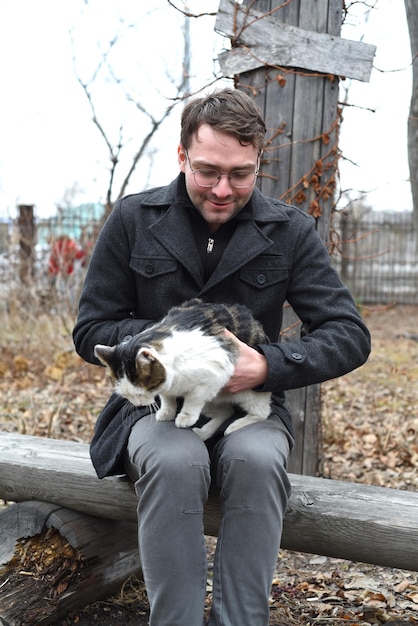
(188, 354)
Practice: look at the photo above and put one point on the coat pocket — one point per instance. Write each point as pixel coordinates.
(150, 267)
(265, 271)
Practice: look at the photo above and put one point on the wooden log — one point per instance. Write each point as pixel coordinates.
(54, 560)
(264, 40)
(333, 518)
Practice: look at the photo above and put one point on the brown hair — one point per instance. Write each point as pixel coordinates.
(229, 111)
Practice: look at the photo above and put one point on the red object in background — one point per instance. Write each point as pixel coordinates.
(64, 253)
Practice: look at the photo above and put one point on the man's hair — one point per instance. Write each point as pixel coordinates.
(228, 111)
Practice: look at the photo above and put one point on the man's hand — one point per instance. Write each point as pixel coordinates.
(250, 369)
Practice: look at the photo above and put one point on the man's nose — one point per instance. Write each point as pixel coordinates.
(223, 187)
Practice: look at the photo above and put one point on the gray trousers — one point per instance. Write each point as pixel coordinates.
(172, 469)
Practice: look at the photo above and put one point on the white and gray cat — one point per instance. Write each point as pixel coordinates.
(188, 354)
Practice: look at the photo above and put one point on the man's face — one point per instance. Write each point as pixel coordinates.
(214, 150)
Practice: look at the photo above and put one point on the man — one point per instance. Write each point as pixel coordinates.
(212, 234)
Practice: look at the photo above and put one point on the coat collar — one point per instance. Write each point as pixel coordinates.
(173, 230)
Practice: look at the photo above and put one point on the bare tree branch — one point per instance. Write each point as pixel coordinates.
(187, 13)
(115, 150)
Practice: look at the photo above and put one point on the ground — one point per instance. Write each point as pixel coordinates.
(370, 425)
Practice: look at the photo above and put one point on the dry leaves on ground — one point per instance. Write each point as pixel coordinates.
(370, 416)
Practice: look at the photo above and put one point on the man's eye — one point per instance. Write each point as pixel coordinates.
(241, 175)
(208, 173)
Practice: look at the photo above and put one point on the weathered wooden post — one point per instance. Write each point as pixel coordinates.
(26, 224)
(289, 57)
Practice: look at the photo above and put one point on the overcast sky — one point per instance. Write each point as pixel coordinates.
(374, 132)
(48, 142)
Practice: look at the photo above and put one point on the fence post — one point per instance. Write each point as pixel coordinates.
(27, 238)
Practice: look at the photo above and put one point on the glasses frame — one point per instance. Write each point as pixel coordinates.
(194, 172)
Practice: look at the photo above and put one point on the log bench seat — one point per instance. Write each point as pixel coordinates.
(339, 519)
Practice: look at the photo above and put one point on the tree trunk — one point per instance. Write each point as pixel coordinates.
(412, 18)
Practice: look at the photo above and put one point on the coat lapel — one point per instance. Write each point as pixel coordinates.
(174, 232)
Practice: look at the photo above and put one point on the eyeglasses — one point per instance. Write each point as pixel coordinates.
(206, 177)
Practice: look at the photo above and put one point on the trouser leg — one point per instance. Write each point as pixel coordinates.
(249, 467)
(170, 467)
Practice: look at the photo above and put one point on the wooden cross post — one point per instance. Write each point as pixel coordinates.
(287, 54)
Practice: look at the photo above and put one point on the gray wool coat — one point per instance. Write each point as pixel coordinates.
(146, 260)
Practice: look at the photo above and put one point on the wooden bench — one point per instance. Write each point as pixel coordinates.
(328, 517)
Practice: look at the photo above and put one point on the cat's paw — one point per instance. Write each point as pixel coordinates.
(165, 415)
(185, 420)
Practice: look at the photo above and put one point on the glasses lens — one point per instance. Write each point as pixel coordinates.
(210, 178)
(206, 178)
(242, 179)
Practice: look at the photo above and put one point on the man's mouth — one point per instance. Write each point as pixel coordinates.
(221, 205)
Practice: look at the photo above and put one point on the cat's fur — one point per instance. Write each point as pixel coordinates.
(188, 354)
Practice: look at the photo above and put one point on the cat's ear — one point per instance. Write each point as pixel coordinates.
(145, 353)
(104, 353)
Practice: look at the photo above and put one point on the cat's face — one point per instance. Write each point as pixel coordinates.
(138, 375)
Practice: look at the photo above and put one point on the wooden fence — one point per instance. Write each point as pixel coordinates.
(28, 259)
(376, 255)
(375, 252)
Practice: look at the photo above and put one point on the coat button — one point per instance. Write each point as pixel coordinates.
(297, 356)
(261, 279)
(149, 268)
